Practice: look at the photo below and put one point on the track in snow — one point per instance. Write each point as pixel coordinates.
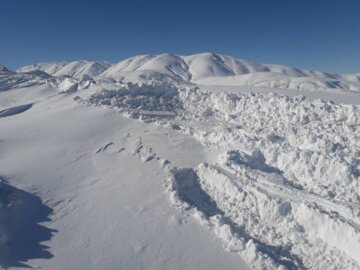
(276, 206)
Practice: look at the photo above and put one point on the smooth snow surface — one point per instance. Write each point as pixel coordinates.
(178, 162)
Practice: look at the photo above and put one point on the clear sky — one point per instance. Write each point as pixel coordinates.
(315, 34)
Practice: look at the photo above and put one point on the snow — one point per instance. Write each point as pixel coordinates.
(3, 69)
(215, 69)
(10, 80)
(15, 110)
(286, 151)
(109, 208)
(202, 68)
(68, 85)
(179, 162)
(76, 69)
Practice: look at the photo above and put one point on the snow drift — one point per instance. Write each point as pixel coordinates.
(285, 190)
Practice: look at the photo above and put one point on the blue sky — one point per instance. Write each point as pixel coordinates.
(315, 34)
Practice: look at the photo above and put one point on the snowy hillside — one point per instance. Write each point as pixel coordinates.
(215, 69)
(76, 69)
(10, 79)
(286, 173)
(3, 69)
(178, 162)
(205, 69)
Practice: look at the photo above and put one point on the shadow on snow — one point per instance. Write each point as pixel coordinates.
(189, 190)
(20, 232)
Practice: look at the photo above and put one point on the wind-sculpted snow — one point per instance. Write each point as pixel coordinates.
(285, 190)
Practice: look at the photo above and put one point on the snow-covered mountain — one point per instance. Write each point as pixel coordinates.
(11, 79)
(204, 69)
(76, 69)
(216, 69)
(3, 69)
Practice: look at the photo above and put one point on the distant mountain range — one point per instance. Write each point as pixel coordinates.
(203, 69)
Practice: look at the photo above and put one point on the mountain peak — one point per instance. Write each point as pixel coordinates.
(3, 69)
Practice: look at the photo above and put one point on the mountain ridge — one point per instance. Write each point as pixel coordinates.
(202, 68)
(76, 69)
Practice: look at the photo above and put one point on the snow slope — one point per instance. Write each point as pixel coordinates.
(76, 69)
(102, 205)
(215, 69)
(10, 79)
(283, 189)
(3, 69)
(179, 162)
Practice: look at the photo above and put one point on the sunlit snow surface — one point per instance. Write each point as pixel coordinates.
(284, 191)
(172, 171)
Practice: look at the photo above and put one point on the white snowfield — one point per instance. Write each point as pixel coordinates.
(179, 162)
